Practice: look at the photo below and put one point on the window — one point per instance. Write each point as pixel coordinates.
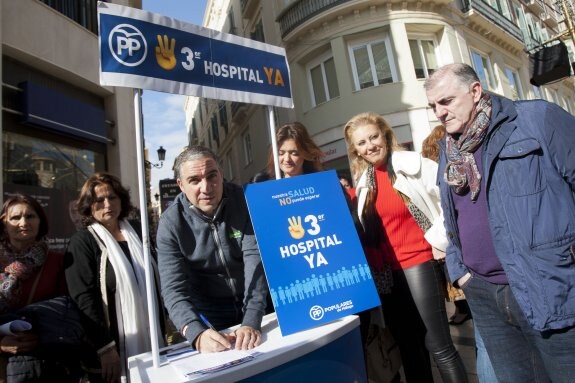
(201, 107)
(229, 173)
(423, 56)
(232, 22)
(534, 28)
(247, 148)
(514, 84)
(223, 116)
(215, 132)
(521, 23)
(258, 32)
(501, 7)
(571, 55)
(323, 80)
(194, 132)
(372, 64)
(553, 95)
(537, 92)
(482, 66)
(49, 164)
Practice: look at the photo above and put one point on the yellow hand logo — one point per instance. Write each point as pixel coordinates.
(295, 228)
(165, 54)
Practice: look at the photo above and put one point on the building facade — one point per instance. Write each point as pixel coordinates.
(348, 57)
(58, 125)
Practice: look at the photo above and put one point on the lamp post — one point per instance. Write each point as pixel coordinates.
(161, 158)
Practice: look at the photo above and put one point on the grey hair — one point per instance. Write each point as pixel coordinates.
(464, 73)
(191, 153)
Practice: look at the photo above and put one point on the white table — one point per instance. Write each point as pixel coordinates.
(328, 353)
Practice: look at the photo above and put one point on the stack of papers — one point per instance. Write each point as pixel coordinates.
(202, 364)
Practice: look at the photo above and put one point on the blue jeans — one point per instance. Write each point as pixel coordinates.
(517, 352)
(484, 369)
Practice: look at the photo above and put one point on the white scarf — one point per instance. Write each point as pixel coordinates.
(131, 302)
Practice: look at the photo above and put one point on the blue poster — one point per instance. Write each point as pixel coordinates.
(145, 50)
(313, 260)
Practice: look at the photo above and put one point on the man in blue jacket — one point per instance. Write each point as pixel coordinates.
(210, 266)
(507, 181)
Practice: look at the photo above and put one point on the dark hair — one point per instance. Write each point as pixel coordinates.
(20, 198)
(346, 178)
(430, 148)
(88, 195)
(311, 153)
(464, 73)
(191, 153)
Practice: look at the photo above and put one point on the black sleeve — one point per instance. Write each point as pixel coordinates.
(82, 262)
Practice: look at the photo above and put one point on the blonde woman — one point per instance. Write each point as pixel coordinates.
(398, 206)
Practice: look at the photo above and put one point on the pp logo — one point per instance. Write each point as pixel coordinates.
(316, 312)
(128, 45)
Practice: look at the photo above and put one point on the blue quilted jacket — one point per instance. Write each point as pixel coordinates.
(529, 178)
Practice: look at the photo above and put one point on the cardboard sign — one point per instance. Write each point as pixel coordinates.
(313, 260)
(140, 49)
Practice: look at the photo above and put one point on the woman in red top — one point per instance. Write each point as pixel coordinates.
(398, 206)
(29, 273)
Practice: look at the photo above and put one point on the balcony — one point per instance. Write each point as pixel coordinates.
(83, 12)
(535, 6)
(550, 17)
(485, 19)
(300, 11)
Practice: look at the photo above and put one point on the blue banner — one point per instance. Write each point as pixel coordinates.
(313, 260)
(145, 50)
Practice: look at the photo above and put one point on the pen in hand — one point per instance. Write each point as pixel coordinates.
(226, 337)
(207, 322)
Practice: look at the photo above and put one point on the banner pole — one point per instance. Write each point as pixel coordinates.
(274, 142)
(150, 282)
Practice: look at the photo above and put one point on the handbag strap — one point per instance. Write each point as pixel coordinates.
(35, 285)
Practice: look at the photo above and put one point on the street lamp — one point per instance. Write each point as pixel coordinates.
(161, 157)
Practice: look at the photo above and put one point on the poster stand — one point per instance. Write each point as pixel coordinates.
(239, 70)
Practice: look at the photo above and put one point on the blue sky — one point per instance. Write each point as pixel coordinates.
(164, 119)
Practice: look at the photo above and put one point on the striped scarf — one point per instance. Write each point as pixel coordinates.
(461, 171)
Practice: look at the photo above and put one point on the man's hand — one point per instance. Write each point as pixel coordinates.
(14, 344)
(461, 281)
(111, 368)
(247, 338)
(213, 341)
(295, 228)
(165, 53)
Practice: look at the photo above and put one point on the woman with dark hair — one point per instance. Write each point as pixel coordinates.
(398, 206)
(298, 154)
(30, 273)
(105, 270)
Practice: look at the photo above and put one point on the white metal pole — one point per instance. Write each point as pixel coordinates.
(150, 280)
(274, 142)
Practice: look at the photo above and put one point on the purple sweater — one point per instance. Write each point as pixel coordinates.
(476, 243)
